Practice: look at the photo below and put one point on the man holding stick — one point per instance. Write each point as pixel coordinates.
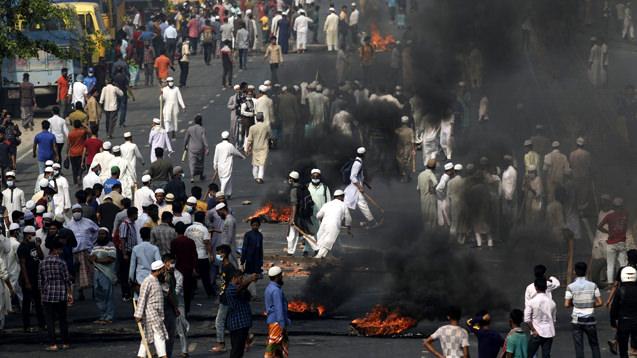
(355, 192)
(150, 313)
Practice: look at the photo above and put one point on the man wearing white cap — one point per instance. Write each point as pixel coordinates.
(455, 188)
(555, 165)
(130, 153)
(62, 198)
(531, 157)
(45, 174)
(257, 144)
(405, 149)
(104, 158)
(441, 193)
(125, 172)
(85, 231)
(320, 196)
(223, 161)
(333, 215)
(298, 218)
(150, 311)
(264, 104)
(172, 100)
(533, 194)
(317, 105)
(234, 102)
(354, 193)
(353, 24)
(144, 196)
(581, 164)
(12, 196)
(276, 309)
(331, 30)
(158, 138)
(301, 25)
(92, 177)
(196, 144)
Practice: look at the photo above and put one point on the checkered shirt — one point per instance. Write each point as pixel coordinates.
(54, 279)
(239, 313)
(452, 340)
(150, 308)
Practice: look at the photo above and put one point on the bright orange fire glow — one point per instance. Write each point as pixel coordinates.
(381, 322)
(379, 42)
(298, 306)
(273, 214)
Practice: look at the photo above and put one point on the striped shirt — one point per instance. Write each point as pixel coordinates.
(583, 293)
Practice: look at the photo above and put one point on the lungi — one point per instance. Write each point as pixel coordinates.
(277, 342)
(196, 163)
(85, 269)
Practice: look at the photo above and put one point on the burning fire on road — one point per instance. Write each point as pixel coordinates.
(382, 322)
(270, 214)
(379, 42)
(304, 309)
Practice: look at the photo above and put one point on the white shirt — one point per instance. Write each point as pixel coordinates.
(78, 93)
(108, 98)
(301, 23)
(353, 17)
(199, 234)
(90, 179)
(541, 312)
(551, 284)
(223, 158)
(62, 199)
(13, 200)
(509, 180)
(58, 128)
(170, 33)
(144, 196)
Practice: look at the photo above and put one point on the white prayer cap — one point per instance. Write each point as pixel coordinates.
(146, 178)
(116, 149)
(457, 167)
(156, 265)
(219, 194)
(9, 174)
(159, 191)
(48, 170)
(236, 87)
(191, 200)
(29, 230)
(274, 271)
(404, 119)
(361, 150)
(104, 229)
(106, 145)
(618, 201)
(56, 166)
(319, 88)
(284, 88)
(59, 218)
(14, 226)
(555, 144)
(315, 171)
(127, 135)
(338, 192)
(448, 166)
(248, 11)
(156, 120)
(225, 135)
(461, 83)
(398, 88)
(353, 4)
(76, 207)
(580, 141)
(301, 11)
(263, 88)
(528, 142)
(30, 205)
(43, 183)
(40, 209)
(332, 9)
(220, 206)
(294, 175)
(48, 163)
(267, 83)
(532, 168)
(47, 216)
(170, 79)
(286, 12)
(250, 87)
(170, 197)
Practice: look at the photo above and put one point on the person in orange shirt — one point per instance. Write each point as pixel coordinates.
(162, 66)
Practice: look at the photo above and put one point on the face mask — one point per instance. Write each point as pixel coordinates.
(171, 84)
(189, 209)
(316, 181)
(10, 183)
(218, 257)
(56, 172)
(77, 216)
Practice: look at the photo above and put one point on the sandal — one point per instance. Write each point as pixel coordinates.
(218, 348)
(53, 348)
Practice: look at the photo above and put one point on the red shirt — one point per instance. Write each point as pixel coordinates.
(93, 146)
(617, 222)
(77, 138)
(63, 88)
(185, 252)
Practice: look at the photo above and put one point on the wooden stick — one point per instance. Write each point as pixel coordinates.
(305, 235)
(371, 200)
(141, 332)
(569, 261)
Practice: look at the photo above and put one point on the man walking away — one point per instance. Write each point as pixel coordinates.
(239, 313)
(355, 191)
(540, 315)
(454, 340)
(584, 297)
(27, 102)
(30, 255)
(615, 225)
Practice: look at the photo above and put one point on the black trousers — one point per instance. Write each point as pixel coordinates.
(238, 340)
(626, 330)
(535, 342)
(59, 147)
(122, 273)
(170, 321)
(28, 297)
(76, 165)
(56, 311)
(274, 72)
(590, 330)
(226, 79)
(183, 73)
(203, 267)
(207, 52)
(189, 289)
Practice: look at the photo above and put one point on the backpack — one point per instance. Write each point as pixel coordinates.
(304, 202)
(207, 36)
(346, 171)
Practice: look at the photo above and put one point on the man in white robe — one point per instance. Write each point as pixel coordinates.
(223, 162)
(62, 197)
(125, 173)
(172, 100)
(598, 63)
(144, 196)
(333, 215)
(130, 152)
(354, 193)
(158, 138)
(264, 104)
(301, 25)
(331, 30)
(104, 158)
(441, 193)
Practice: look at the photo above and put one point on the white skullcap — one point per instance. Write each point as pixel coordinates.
(56, 166)
(30, 205)
(248, 11)
(48, 170)
(263, 88)
(14, 226)
(319, 88)
(159, 191)
(9, 174)
(191, 200)
(59, 218)
(267, 83)
(156, 120)
(104, 229)
(220, 194)
(146, 178)
(580, 141)
(170, 79)
(457, 167)
(170, 197)
(128, 135)
(353, 4)
(116, 149)
(106, 145)
(404, 119)
(315, 171)
(294, 175)
(448, 166)
(251, 87)
(29, 230)
(225, 135)
(43, 183)
(76, 207)
(555, 144)
(47, 216)
(48, 163)
(338, 192)
(39, 209)
(220, 206)
(532, 168)
(361, 150)
(274, 271)
(236, 87)
(528, 142)
(332, 9)
(156, 265)
(284, 88)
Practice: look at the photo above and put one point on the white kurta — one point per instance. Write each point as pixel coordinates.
(446, 136)
(301, 25)
(124, 176)
(443, 202)
(130, 152)
(509, 182)
(158, 138)
(13, 200)
(356, 176)
(104, 160)
(333, 215)
(61, 199)
(331, 31)
(172, 101)
(222, 163)
(144, 196)
(90, 179)
(264, 105)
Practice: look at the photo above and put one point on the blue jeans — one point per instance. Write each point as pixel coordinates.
(220, 322)
(122, 106)
(41, 167)
(103, 291)
(243, 58)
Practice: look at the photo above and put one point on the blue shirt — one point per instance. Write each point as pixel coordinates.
(46, 142)
(108, 185)
(239, 312)
(90, 82)
(140, 260)
(276, 305)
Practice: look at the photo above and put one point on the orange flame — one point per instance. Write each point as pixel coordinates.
(381, 322)
(298, 306)
(379, 42)
(272, 214)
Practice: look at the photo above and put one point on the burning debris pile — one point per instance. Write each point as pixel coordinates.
(271, 214)
(379, 42)
(382, 322)
(301, 309)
